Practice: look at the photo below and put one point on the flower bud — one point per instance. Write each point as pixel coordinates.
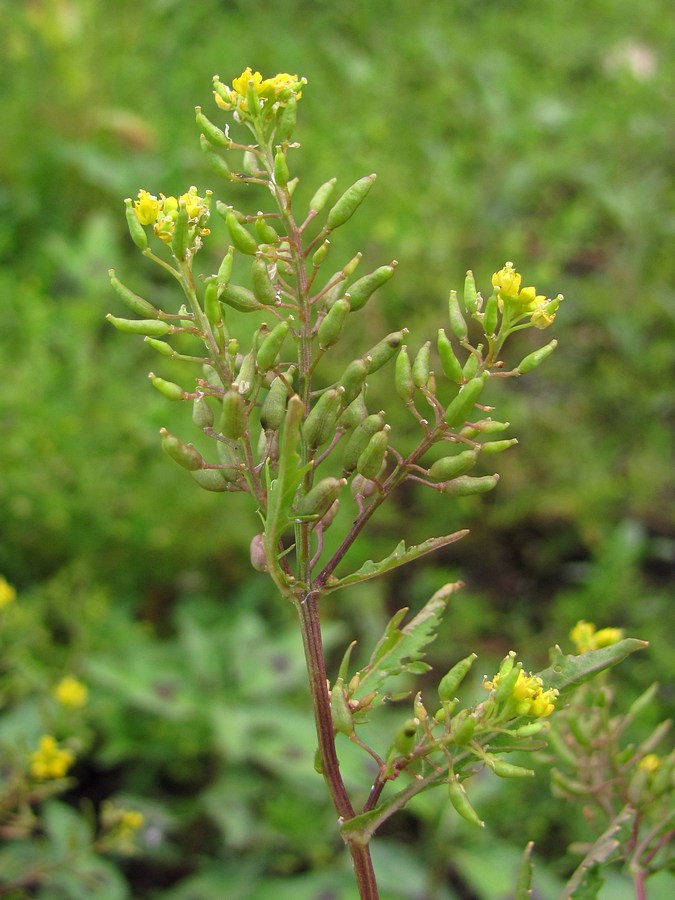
(465, 485)
(349, 202)
(449, 362)
(360, 292)
(448, 685)
(167, 388)
(132, 301)
(403, 378)
(532, 360)
(360, 438)
(319, 426)
(332, 324)
(452, 466)
(150, 327)
(242, 239)
(321, 196)
(370, 460)
(270, 348)
(184, 454)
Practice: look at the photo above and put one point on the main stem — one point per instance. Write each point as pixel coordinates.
(308, 609)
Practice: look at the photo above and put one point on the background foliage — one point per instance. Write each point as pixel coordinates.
(535, 131)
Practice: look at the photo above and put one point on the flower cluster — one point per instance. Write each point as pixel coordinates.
(161, 212)
(520, 302)
(527, 696)
(586, 637)
(271, 93)
(7, 593)
(50, 760)
(71, 692)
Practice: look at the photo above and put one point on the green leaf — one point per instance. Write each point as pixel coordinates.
(586, 881)
(400, 650)
(524, 877)
(567, 672)
(398, 557)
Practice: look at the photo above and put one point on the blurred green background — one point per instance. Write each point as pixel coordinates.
(540, 132)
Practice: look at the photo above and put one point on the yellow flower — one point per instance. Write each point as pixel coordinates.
(528, 695)
(71, 692)
(50, 761)
(7, 593)
(585, 636)
(649, 763)
(240, 85)
(146, 208)
(507, 280)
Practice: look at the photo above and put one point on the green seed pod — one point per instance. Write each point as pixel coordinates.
(321, 497)
(498, 446)
(471, 365)
(362, 487)
(322, 195)
(180, 237)
(491, 315)
(403, 378)
(319, 426)
(263, 287)
(160, 346)
(229, 456)
(170, 390)
(225, 270)
(452, 466)
(247, 378)
(462, 406)
(354, 414)
(233, 420)
(281, 173)
(460, 801)
(202, 414)
(463, 731)
(136, 230)
(132, 301)
(212, 308)
(320, 254)
(465, 485)
(211, 131)
(210, 480)
(420, 367)
(271, 347)
(184, 454)
(352, 380)
(212, 377)
(257, 553)
(151, 327)
(507, 681)
(457, 323)
(287, 119)
(449, 362)
(448, 685)
(360, 292)
(349, 202)
(214, 160)
(530, 729)
(404, 741)
(332, 324)
(240, 298)
(470, 294)
(508, 770)
(352, 265)
(485, 426)
(341, 714)
(329, 517)
(382, 352)
(360, 438)
(370, 460)
(265, 232)
(242, 239)
(274, 406)
(532, 360)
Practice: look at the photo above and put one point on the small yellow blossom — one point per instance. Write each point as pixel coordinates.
(585, 636)
(274, 91)
(71, 692)
(523, 301)
(7, 593)
(528, 695)
(649, 763)
(146, 208)
(50, 760)
(240, 85)
(507, 280)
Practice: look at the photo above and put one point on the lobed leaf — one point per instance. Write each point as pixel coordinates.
(567, 672)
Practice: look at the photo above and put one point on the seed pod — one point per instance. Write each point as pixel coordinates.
(382, 352)
(362, 487)
(352, 380)
(448, 685)
(151, 327)
(470, 294)
(485, 426)
(184, 454)
(360, 438)
(319, 426)
(508, 770)
(452, 466)
(449, 362)
(274, 406)
(360, 292)
(257, 551)
(160, 346)
(491, 315)
(354, 414)
(136, 230)
(530, 729)
(214, 160)
(404, 741)
(457, 323)
(329, 517)
(212, 377)
(202, 414)
(471, 365)
(240, 298)
(462, 406)
(532, 360)
(247, 378)
(229, 456)
(233, 420)
(271, 347)
(211, 131)
(225, 270)
(180, 237)
(463, 731)
(265, 232)
(281, 173)
(349, 202)
(332, 324)
(341, 714)
(370, 460)
(167, 388)
(210, 480)
(491, 447)
(320, 254)
(242, 239)
(420, 367)
(287, 119)
(403, 378)
(322, 195)
(460, 801)
(321, 497)
(212, 308)
(465, 485)
(132, 301)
